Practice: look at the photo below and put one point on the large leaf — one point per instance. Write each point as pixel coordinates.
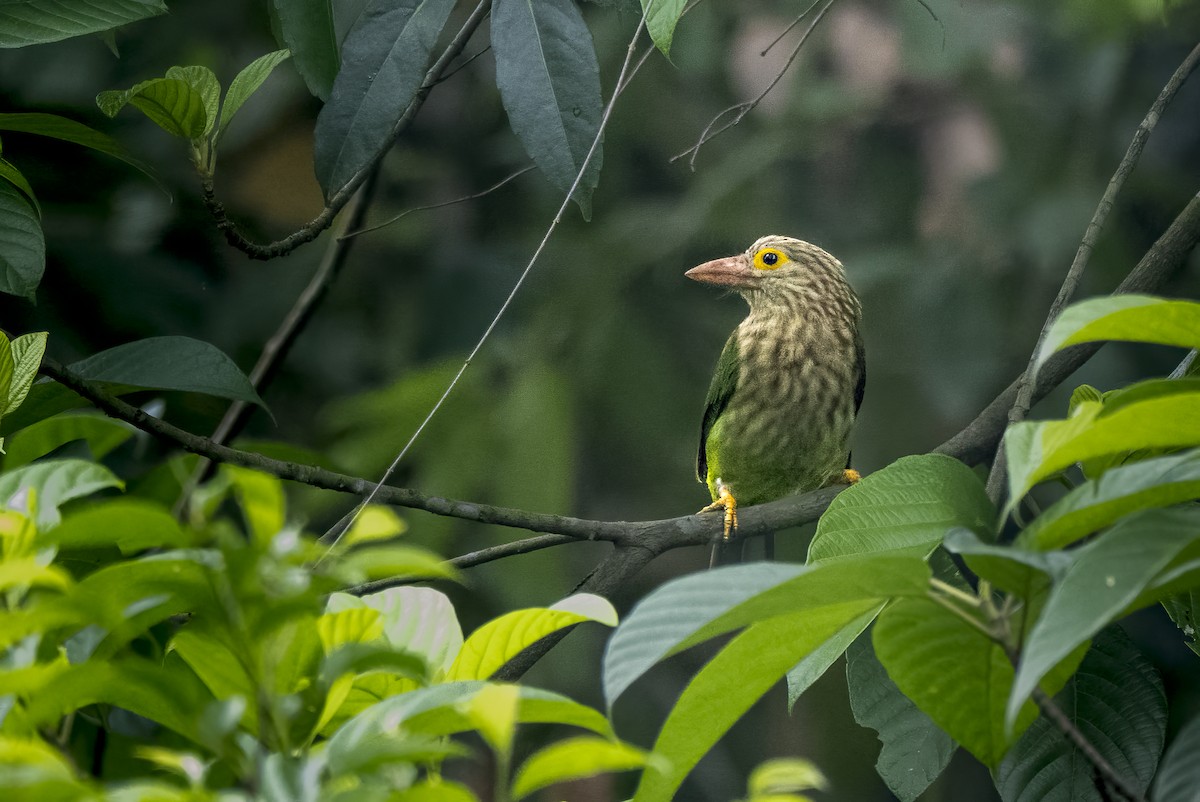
(1179, 779)
(549, 83)
(170, 363)
(173, 104)
(1093, 505)
(307, 28)
(1009, 568)
(801, 676)
(22, 244)
(1108, 578)
(1163, 413)
(56, 482)
(384, 59)
(907, 506)
(11, 174)
(503, 638)
(915, 750)
(100, 433)
(68, 130)
(953, 672)
(1116, 700)
(129, 524)
(661, 18)
(419, 620)
(31, 22)
(572, 759)
(724, 689)
(694, 608)
(247, 82)
(1135, 318)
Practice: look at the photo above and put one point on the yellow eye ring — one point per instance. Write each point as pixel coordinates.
(769, 259)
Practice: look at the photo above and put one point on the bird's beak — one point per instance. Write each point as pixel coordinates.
(732, 271)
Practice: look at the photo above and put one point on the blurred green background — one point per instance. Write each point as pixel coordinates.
(952, 164)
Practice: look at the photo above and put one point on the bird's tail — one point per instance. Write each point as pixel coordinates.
(731, 552)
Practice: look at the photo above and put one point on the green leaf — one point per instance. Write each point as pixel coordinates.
(953, 672)
(694, 608)
(170, 363)
(217, 666)
(28, 572)
(1179, 777)
(10, 173)
(907, 506)
(724, 690)
(381, 562)
(385, 55)
(1116, 700)
(503, 638)
(1161, 413)
(171, 103)
(31, 22)
(373, 522)
(260, 496)
(1093, 505)
(575, 758)
(8, 366)
(435, 790)
(27, 351)
(129, 524)
(915, 750)
(67, 130)
(549, 83)
(1108, 578)
(783, 775)
(802, 675)
(1133, 318)
(661, 18)
(493, 714)
(100, 433)
(307, 28)
(23, 257)
(205, 84)
(247, 82)
(1184, 610)
(56, 482)
(419, 620)
(1010, 568)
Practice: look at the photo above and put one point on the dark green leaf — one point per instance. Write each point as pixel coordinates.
(1158, 482)
(724, 690)
(661, 18)
(1116, 700)
(907, 506)
(171, 103)
(100, 433)
(1184, 610)
(170, 363)
(693, 609)
(27, 351)
(22, 244)
(386, 55)
(247, 83)
(56, 482)
(31, 22)
(307, 28)
(1134, 318)
(68, 130)
(953, 672)
(549, 82)
(1179, 778)
(11, 174)
(1010, 568)
(802, 675)
(204, 83)
(1108, 577)
(915, 750)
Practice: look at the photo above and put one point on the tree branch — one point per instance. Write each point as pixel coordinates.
(311, 230)
(1103, 768)
(1025, 384)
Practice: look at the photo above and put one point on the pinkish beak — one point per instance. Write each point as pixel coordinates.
(728, 272)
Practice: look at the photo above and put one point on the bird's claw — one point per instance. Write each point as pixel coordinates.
(725, 501)
(850, 476)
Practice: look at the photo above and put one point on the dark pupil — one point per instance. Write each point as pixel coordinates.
(770, 258)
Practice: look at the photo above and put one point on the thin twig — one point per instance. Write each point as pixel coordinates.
(1105, 769)
(1025, 385)
(740, 110)
(463, 199)
(312, 229)
(789, 28)
(487, 332)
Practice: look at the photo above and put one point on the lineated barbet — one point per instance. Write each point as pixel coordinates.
(789, 381)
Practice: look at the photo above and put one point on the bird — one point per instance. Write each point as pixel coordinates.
(788, 384)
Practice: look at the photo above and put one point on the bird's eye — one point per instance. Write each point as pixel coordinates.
(769, 259)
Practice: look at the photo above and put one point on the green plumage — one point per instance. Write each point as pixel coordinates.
(789, 380)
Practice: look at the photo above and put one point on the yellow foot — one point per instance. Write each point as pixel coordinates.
(850, 476)
(725, 501)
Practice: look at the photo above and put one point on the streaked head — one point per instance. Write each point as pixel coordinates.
(775, 267)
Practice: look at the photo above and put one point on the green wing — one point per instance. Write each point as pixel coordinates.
(724, 383)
